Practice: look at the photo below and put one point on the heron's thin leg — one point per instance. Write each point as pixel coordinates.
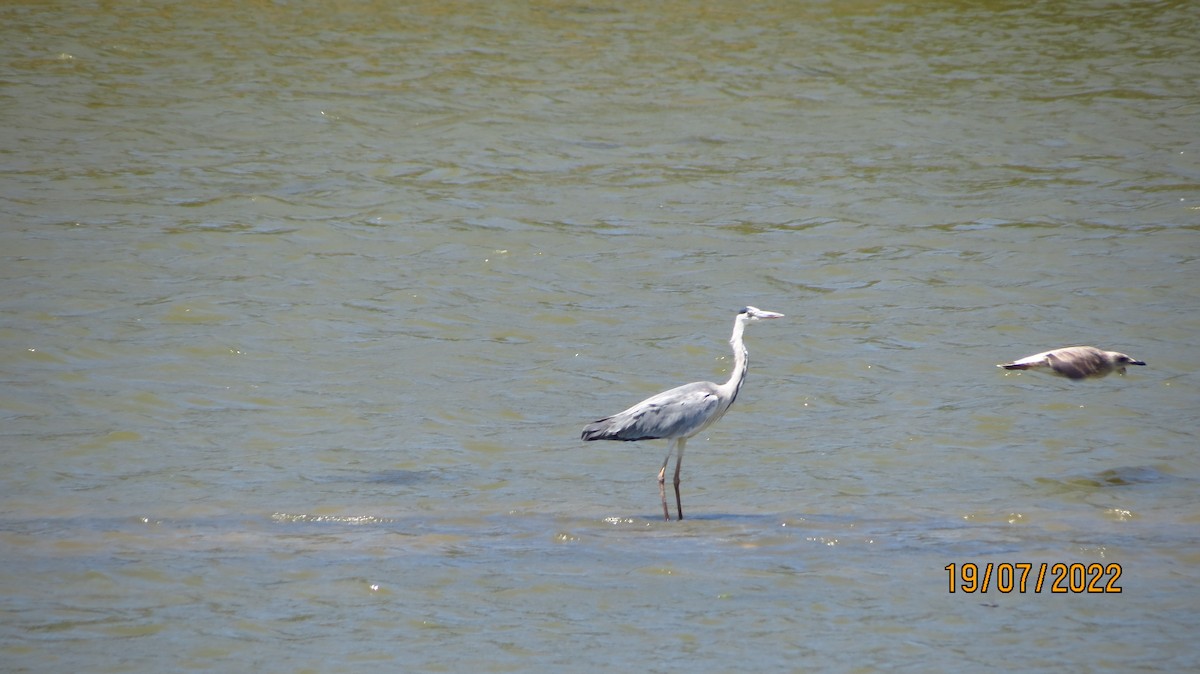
(662, 475)
(678, 461)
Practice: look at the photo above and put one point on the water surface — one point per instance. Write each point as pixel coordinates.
(305, 305)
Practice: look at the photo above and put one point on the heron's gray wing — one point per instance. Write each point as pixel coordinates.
(680, 412)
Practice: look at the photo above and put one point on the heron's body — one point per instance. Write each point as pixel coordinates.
(682, 412)
(1075, 362)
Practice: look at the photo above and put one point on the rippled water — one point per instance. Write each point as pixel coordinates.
(306, 304)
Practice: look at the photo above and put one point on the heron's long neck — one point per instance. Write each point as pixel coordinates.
(741, 358)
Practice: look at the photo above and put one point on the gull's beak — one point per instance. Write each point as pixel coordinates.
(1137, 362)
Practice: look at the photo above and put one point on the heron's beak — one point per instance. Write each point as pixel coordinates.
(1137, 362)
(766, 314)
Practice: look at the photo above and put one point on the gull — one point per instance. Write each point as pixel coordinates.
(1075, 362)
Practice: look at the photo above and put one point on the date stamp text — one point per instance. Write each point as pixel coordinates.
(1036, 577)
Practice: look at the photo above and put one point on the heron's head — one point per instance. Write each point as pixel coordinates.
(1122, 359)
(754, 314)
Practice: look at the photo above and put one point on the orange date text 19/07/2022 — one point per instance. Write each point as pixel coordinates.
(1036, 577)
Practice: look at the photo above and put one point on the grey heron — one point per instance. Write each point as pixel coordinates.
(682, 412)
(1075, 362)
